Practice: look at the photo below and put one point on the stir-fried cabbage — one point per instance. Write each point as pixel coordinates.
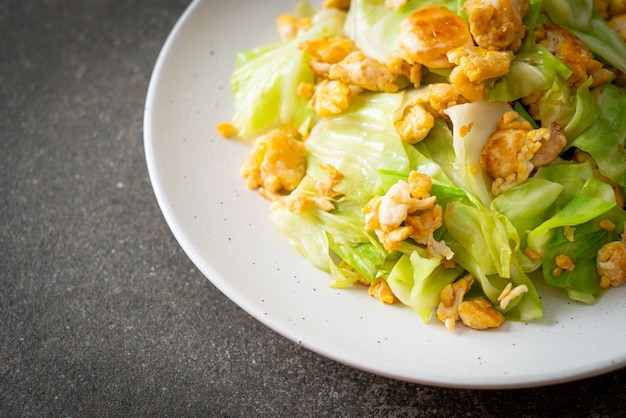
(508, 237)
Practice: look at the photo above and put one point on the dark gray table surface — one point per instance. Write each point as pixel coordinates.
(101, 313)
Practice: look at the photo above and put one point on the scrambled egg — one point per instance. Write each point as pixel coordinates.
(276, 164)
(380, 289)
(475, 65)
(478, 313)
(509, 150)
(290, 26)
(299, 201)
(226, 129)
(515, 150)
(619, 24)
(611, 264)
(473, 91)
(434, 99)
(509, 293)
(551, 146)
(563, 262)
(606, 224)
(414, 122)
(407, 210)
(305, 90)
(449, 300)
(334, 178)
(569, 232)
(359, 70)
(398, 203)
(479, 64)
(443, 96)
(426, 35)
(609, 9)
(330, 97)
(398, 66)
(573, 53)
(325, 52)
(614, 11)
(338, 59)
(344, 72)
(497, 24)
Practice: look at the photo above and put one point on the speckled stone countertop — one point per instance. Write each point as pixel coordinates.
(101, 313)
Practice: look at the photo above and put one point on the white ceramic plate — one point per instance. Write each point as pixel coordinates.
(223, 227)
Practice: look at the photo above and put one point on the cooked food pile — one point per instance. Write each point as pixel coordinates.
(449, 155)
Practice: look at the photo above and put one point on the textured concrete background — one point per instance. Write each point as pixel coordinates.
(101, 313)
